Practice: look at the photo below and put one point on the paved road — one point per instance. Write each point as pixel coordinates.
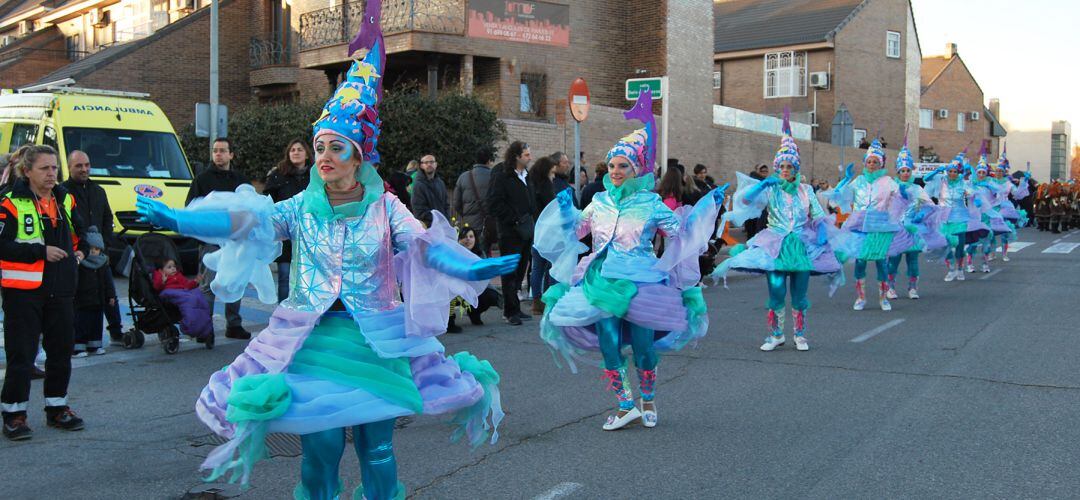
(970, 392)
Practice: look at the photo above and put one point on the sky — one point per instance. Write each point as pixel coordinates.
(1020, 51)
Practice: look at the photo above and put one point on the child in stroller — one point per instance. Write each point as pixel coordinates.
(196, 319)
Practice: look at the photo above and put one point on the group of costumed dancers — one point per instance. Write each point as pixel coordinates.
(355, 343)
(960, 211)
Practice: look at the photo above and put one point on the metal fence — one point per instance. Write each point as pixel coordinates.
(270, 52)
(340, 23)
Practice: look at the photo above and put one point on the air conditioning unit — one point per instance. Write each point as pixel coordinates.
(819, 80)
(6, 40)
(185, 6)
(26, 27)
(943, 113)
(99, 18)
(975, 115)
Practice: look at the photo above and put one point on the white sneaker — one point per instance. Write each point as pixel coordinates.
(913, 294)
(99, 351)
(891, 294)
(885, 305)
(80, 354)
(860, 304)
(949, 276)
(800, 343)
(970, 268)
(1005, 258)
(986, 268)
(960, 275)
(614, 421)
(991, 257)
(772, 342)
(648, 417)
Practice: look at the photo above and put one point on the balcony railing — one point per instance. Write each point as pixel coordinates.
(270, 52)
(339, 24)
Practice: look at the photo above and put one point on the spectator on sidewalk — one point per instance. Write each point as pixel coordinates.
(429, 192)
(287, 179)
(219, 177)
(562, 179)
(596, 186)
(470, 200)
(399, 182)
(196, 319)
(513, 203)
(38, 241)
(542, 178)
(92, 204)
(487, 299)
(94, 294)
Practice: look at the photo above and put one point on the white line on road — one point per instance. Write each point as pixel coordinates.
(872, 333)
(1057, 240)
(560, 490)
(1017, 246)
(995, 271)
(1061, 248)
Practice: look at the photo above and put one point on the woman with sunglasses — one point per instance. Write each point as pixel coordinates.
(620, 294)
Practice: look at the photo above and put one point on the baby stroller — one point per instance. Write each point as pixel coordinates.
(149, 313)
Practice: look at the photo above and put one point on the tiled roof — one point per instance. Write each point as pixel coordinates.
(754, 24)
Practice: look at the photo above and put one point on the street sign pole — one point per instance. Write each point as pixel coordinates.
(213, 71)
(665, 91)
(577, 156)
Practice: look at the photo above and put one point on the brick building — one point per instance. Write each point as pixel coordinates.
(952, 113)
(158, 47)
(815, 55)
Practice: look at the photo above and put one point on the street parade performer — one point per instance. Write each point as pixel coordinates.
(621, 294)
(921, 222)
(342, 350)
(1010, 190)
(987, 192)
(794, 245)
(964, 222)
(874, 201)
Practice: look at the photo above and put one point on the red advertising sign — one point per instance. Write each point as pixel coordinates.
(520, 21)
(579, 99)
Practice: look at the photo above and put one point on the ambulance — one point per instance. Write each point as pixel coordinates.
(133, 148)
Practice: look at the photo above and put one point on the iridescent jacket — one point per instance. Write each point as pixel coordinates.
(624, 231)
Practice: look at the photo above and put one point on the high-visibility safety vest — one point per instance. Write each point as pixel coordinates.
(22, 275)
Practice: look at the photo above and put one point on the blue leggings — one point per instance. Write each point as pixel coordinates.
(957, 253)
(374, 448)
(912, 264)
(778, 289)
(609, 330)
(860, 269)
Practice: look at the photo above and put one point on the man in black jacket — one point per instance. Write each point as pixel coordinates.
(429, 193)
(39, 233)
(513, 203)
(596, 186)
(93, 207)
(562, 180)
(219, 177)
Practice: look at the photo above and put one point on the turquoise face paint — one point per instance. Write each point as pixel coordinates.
(347, 154)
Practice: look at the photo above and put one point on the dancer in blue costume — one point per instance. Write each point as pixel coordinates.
(794, 246)
(621, 294)
(964, 223)
(343, 350)
(987, 192)
(920, 221)
(873, 200)
(1003, 203)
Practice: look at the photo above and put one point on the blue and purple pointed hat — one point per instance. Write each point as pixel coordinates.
(875, 149)
(983, 164)
(959, 160)
(640, 145)
(903, 158)
(353, 111)
(1003, 160)
(789, 151)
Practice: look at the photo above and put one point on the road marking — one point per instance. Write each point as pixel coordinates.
(1061, 248)
(1057, 240)
(1017, 246)
(560, 490)
(995, 271)
(873, 333)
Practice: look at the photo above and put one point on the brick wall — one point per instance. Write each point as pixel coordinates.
(175, 68)
(41, 53)
(955, 90)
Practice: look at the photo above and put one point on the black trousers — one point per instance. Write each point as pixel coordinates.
(88, 324)
(26, 315)
(511, 283)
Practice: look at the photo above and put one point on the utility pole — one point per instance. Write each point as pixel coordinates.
(213, 71)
